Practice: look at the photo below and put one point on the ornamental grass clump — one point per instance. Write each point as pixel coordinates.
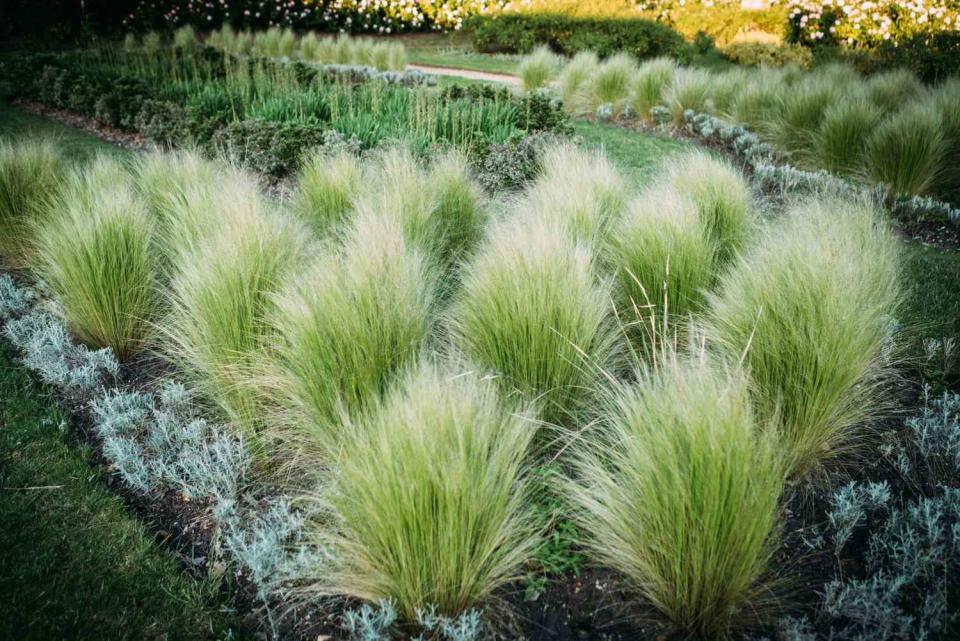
(97, 258)
(649, 83)
(578, 191)
(537, 69)
(458, 209)
(663, 261)
(576, 74)
(431, 502)
(327, 189)
(688, 89)
(529, 310)
(346, 328)
(220, 295)
(945, 98)
(810, 311)
(31, 175)
(906, 151)
(678, 490)
(840, 141)
(610, 84)
(721, 195)
(800, 113)
(891, 90)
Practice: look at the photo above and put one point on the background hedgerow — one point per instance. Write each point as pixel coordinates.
(97, 256)
(346, 328)
(220, 294)
(31, 173)
(530, 311)
(430, 507)
(810, 310)
(679, 488)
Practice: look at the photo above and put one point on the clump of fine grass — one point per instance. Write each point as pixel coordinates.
(31, 173)
(152, 42)
(431, 499)
(458, 208)
(689, 89)
(610, 84)
(721, 195)
(347, 327)
(906, 150)
(530, 311)
(579, 191)
(649, 83)
(945, 98)
(890, 90)
(220, 295)
(538, 68)
(839, 143)
(800, 113)
(681, 495)
(810, 309)
(327, 189)
(727, 87)
(169, 182)
(663, 261)
(97, 258)
(759, 100)
(185, 38)
(576, 74)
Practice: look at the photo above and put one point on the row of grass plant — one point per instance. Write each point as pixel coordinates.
(888, 128)
(403, 357)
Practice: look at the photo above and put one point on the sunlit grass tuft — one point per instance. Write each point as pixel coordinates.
(538, 68)
(327, 189)
(31, 174)
(906, 151)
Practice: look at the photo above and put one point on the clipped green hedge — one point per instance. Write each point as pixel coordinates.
(521, 32)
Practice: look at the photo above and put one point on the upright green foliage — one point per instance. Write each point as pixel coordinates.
(431, 498)
(31, 173)
(530, 311)
(800, 114)
(97, 258)
(537, 69)
(610, 84)
(576, 74)
(689, 89)
(810, 311)
(840, 142)
(349, 325)
(679, 491)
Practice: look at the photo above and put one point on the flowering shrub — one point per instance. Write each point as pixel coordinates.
(870, 23)
(378, 16)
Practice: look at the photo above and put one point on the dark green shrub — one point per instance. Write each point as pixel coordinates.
(268, 147)
(521, 32)
(770, 55)
(163, 122)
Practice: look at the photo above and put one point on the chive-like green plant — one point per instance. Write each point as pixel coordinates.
(431, 502)
(810, 311)
(680, 494)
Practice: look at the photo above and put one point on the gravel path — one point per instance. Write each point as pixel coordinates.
(467, 73)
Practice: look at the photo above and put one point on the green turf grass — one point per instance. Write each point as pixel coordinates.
(75, 564)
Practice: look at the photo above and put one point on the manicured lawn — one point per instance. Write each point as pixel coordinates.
(74, 562)
(637, 153)
(75, 143)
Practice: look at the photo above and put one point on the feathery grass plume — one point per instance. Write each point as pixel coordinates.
(760, 100)
(431, 502)
(726, 87)
(530, 311)
(689, 89)
(220, 296)
(396, 57)
(342, 50)
(327, 188)
(649, 83)
(576, 74)
(348, 326)
(130, 42)
(31, 174)
(97, 258)
(185, 38)
(380, 56)
(721, 195)
(800, 113)
(663, 261)
(152, 42)
(945, 98)
(579, 191)
(287, 44)
(841, 139)
(267, 43)
(809, 310)
(168, 181)
(610, 84)
(892, 89)
(310, 47)
(906, 150)
(538, 68)
(680, 493)
(458, 209)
